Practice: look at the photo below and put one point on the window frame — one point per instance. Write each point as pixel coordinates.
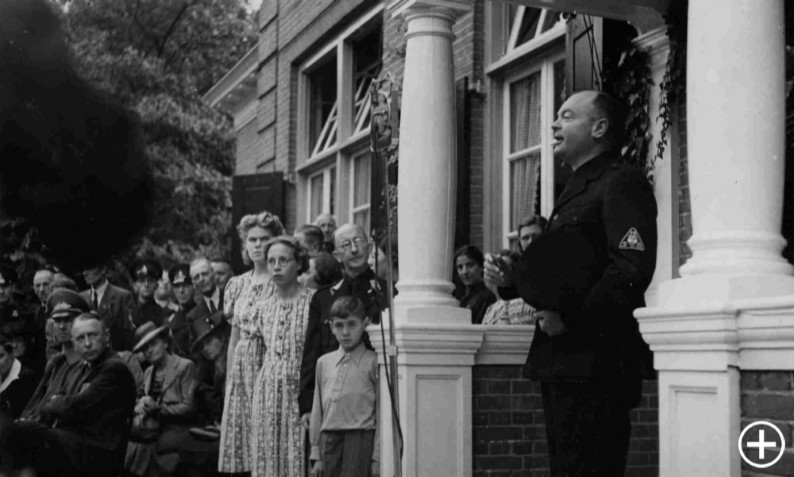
(503, 67)
(353, 209)
(351, 137)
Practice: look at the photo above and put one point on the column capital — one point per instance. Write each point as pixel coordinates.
(449, 8)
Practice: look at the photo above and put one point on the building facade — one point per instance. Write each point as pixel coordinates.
(481, 81)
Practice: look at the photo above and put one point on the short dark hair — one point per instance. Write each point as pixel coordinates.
(531, 220)
(606, 106)
(327, 270)
(471, 251)
(314, 234)
(300, 254)
(347, 306)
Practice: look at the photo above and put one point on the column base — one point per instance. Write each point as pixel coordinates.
(706, 290)
(434, 367)
(736, 252)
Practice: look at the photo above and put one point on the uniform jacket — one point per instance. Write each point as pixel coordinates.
(116, 310)
(100, 412)
(607, 217)
(177, 401)
(149, 311)
(319, 339)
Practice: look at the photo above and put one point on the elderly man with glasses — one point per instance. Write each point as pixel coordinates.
(352, 250)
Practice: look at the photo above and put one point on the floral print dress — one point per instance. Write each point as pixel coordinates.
(243, 302)
(278, 437)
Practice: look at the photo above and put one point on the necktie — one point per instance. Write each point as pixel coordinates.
(94, 302)
(213, 309)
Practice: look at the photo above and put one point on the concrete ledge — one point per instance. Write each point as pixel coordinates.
(505, 344)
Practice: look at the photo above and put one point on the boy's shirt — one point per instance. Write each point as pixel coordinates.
(345, 395)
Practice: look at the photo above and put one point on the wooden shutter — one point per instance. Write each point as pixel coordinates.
(252, 194)
(584, 53)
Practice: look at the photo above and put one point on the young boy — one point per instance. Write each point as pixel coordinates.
(343, 429)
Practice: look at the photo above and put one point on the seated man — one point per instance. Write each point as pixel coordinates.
(89, 427)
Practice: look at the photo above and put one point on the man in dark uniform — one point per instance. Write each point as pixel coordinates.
(178, 322)
(587, 351)
(147, 273)
(352, 251)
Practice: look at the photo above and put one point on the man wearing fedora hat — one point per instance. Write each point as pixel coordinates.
(179, 275)
(585, 276)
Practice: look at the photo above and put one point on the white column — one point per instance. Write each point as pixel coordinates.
(736, 133)
(702, 327)
(428, 164)
(436, 343)
(657, 44)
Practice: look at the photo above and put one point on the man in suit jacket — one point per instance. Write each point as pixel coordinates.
(588, 353)
(90, 427)
(210, 296)
(352, 251)
(114, 305)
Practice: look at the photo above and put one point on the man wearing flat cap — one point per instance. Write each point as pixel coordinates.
(184, 293)
(585, 276)
(147, 273)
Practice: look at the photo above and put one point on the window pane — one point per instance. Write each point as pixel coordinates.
(529, 25)
(332, 205)
(361, 178)
(552, 18)
(525, 113)
(367, 65)
(322, 113)
(316, 191)
(362, 218)
(561, 172)
(524, 188)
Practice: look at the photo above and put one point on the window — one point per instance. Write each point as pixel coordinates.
(360, 189)
(323, 108)
(334, 120)
(321, 193)
(528, 71)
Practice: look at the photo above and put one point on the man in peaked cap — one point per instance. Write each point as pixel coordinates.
(177, 321)
(147, 273)
(64, 370)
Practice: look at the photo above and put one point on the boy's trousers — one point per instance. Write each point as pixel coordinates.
(347, 453)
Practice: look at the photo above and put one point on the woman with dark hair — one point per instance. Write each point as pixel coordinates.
(324, 270)
(242, 300)
(17, 382)
(167, 397)
(476, 297)
(278, 438)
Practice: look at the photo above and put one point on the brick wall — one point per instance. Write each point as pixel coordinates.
(248, 149)
(769, 396)
(509, 435)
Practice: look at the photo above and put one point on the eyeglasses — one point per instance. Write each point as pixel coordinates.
(347, 244)
(281, 261)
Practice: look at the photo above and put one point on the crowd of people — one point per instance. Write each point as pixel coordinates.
(194, 371)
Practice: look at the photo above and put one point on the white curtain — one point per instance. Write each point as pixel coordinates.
(525, 132)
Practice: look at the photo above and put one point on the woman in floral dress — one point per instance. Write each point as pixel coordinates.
(278, 437)
(243, 299)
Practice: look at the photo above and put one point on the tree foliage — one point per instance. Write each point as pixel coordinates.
(157, 57)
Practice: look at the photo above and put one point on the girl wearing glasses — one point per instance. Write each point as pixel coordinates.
(278, 436)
